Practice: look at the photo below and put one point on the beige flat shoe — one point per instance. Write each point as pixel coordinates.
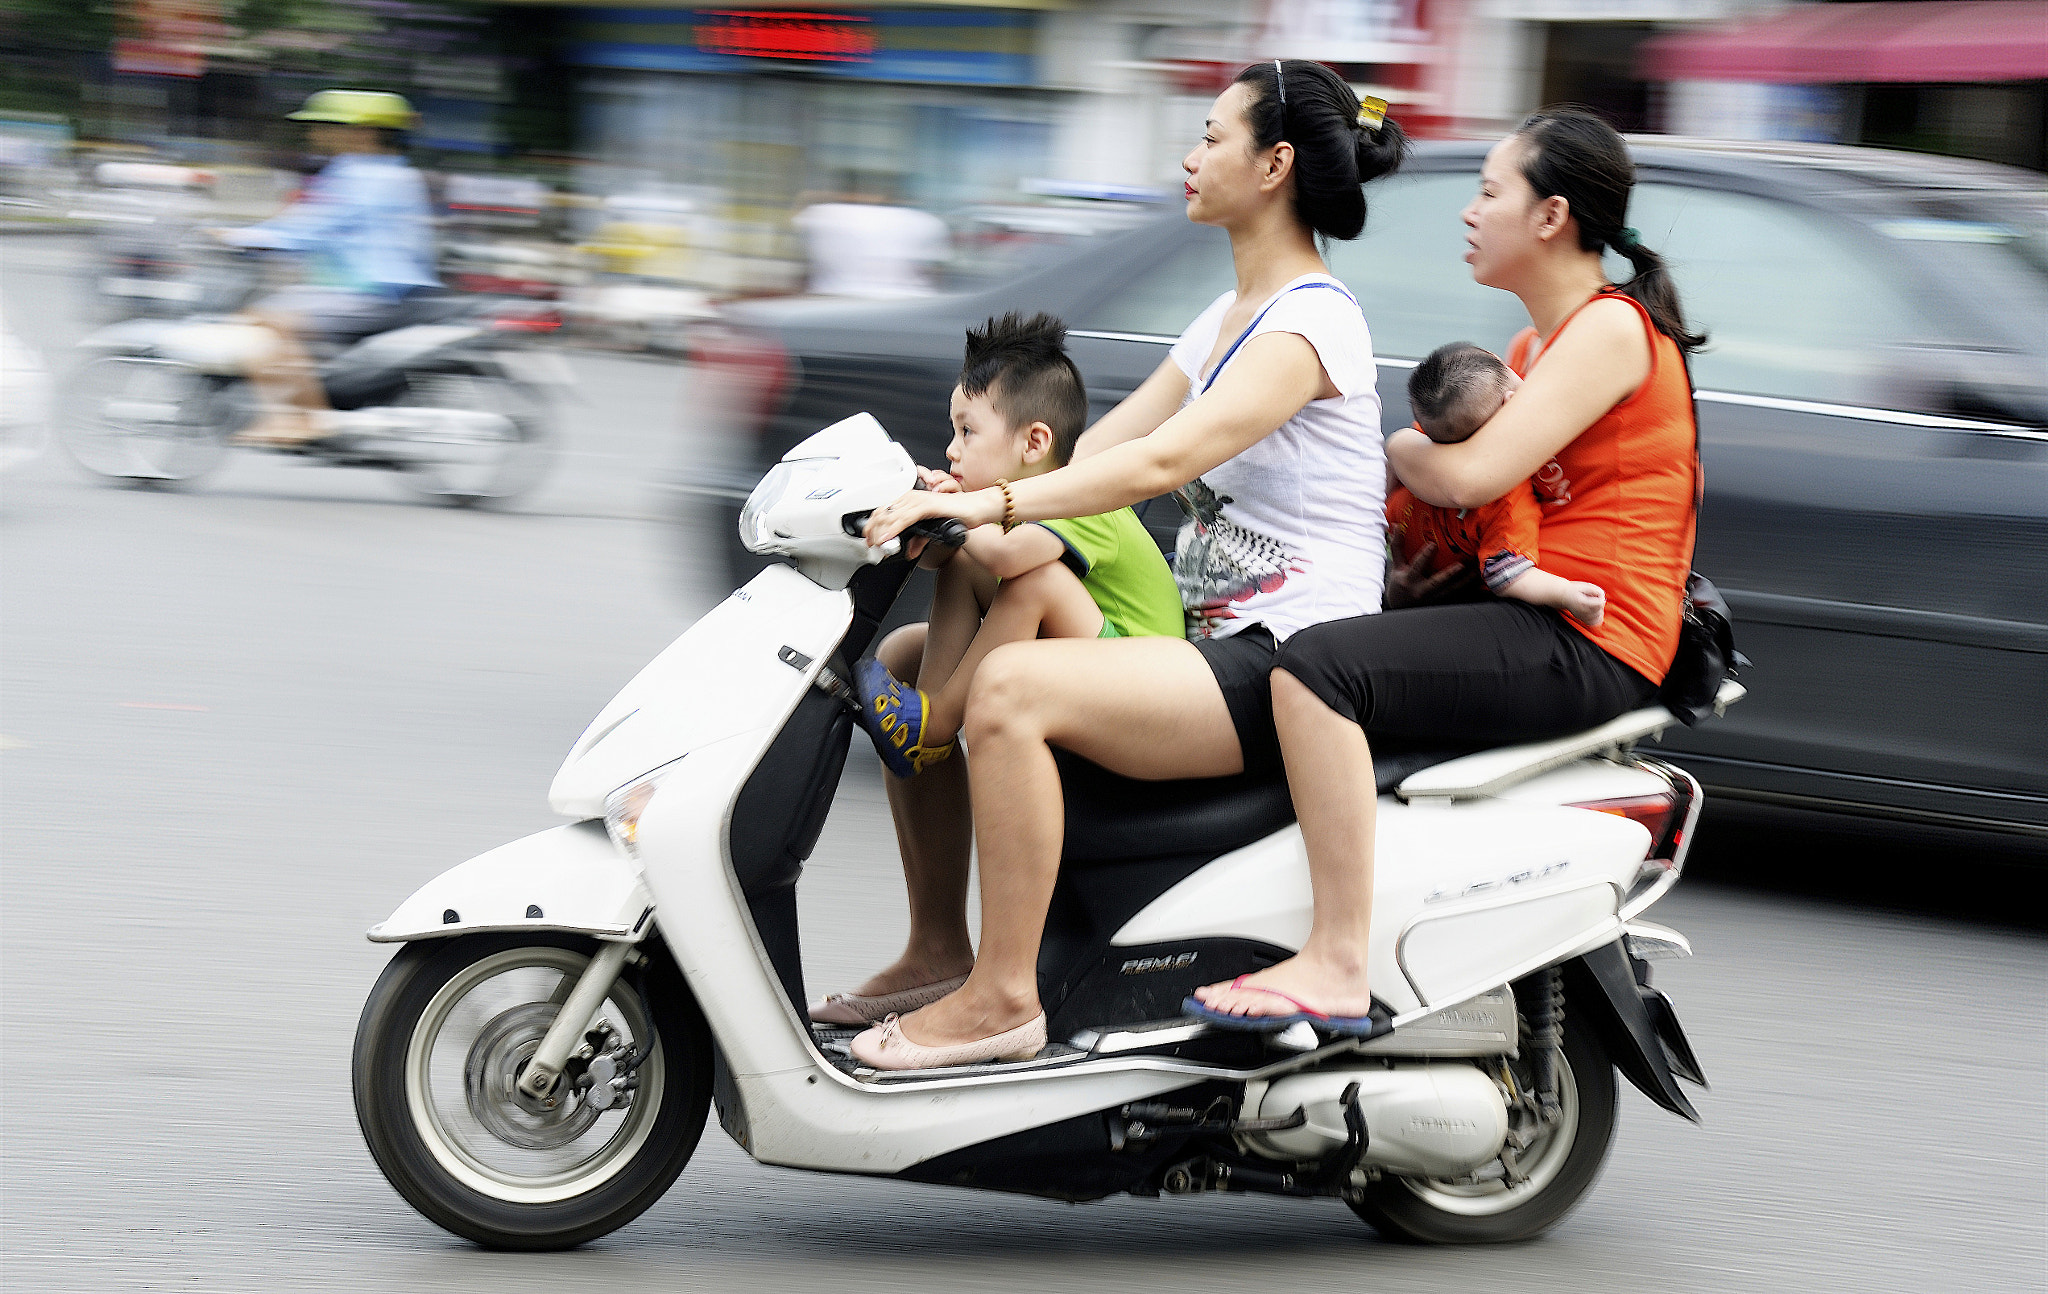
(853, 1009)
(885, 1047)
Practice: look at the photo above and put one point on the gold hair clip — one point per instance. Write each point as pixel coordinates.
(1372, 113)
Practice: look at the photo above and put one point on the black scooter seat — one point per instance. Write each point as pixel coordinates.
(1112, 818)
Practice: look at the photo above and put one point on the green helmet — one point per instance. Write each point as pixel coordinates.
(358, 108)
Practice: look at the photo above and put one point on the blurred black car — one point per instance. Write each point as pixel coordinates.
(1873, 405)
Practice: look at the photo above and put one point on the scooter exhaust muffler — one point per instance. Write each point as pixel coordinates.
(1431, 1119)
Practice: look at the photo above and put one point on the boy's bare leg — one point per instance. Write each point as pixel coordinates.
(934, 828)
(965, 590)
(1048, 602)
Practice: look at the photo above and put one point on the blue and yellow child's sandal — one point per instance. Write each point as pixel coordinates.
(893, 714)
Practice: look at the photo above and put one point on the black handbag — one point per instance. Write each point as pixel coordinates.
(1706, 655)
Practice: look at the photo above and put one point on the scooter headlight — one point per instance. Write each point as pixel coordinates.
(623, 807)
(754, 531)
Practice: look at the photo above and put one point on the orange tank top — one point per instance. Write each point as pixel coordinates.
(1619, 504)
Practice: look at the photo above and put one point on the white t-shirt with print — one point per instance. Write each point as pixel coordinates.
(1292, 531)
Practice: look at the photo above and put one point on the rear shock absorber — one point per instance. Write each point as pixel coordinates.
(1546, 1037)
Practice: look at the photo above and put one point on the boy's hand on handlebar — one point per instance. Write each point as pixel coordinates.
(938, 482)
(892, 519)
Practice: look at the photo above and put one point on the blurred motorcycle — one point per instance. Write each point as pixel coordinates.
(451, 399)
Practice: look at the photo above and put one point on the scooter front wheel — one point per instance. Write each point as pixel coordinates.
(143, 421)
(443, 1040)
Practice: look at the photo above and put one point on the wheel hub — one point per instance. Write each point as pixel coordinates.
(491, 1084)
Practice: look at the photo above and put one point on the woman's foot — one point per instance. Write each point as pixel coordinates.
(886, 1047)
(856, 1009)
(966, 1028)
(282, 428)
(905, 985)
(1320, 986)
(894, 714)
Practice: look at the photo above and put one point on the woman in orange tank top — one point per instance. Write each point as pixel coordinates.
(1602, 431)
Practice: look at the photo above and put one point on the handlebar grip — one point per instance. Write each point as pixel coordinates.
(945, 531)
(940, 530)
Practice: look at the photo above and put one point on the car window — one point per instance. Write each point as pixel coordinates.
(1409, 274)
(1165, 298)
(1792, 306)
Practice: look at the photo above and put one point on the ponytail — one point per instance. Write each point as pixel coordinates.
(1572, 154)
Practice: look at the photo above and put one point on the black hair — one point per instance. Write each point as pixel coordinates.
(1309, 106)
(1571, 154)
(1455, 390)
(1022, 366)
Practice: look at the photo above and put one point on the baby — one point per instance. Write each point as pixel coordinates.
(1454, 392)
(1017, 411)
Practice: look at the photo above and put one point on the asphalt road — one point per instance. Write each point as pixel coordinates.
(241, 723)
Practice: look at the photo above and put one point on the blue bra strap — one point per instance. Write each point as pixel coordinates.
(1261, 318)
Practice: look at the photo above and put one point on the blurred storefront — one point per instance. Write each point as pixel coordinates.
(1967, 78)
(1505, 58)
(929, 106)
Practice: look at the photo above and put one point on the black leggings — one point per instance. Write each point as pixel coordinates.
(1468, 674)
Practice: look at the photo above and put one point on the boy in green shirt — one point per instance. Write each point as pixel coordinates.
(1017, 411)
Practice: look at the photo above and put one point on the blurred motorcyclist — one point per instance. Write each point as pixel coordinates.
(367, 226)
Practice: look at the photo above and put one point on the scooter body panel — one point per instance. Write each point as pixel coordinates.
(1476, 888)
(733, 671)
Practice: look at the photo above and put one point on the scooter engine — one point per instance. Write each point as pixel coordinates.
(1425, 1119)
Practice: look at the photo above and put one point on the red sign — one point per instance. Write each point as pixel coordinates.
(810, 37)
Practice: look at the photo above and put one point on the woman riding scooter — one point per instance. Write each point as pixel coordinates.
(366, 222)
(1602, 428)
(1266, 419)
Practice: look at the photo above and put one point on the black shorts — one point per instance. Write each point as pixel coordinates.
(1470, 674)
(1243, 666)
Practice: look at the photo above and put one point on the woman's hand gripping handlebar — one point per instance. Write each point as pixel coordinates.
(945, 531)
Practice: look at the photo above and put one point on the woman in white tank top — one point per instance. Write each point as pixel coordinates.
(1265, 422)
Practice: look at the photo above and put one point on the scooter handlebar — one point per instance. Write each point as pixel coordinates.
(946, 531)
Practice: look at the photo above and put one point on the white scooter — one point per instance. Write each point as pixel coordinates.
(533, 1069)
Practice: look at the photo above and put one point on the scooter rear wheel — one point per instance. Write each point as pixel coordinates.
(1561, 1165)
(465, 470)
(442, 1041)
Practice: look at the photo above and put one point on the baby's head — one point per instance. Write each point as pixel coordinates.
(1457, 389)
(1019, 406)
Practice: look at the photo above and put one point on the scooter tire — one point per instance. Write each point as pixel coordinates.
(396, 1004)
(1422, 1213)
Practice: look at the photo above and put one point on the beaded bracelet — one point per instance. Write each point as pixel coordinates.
(1009, 507)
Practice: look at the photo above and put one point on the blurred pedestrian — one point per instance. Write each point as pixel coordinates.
(861, 245)
(367, 226)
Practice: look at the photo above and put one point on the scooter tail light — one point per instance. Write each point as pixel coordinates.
(1659, 814)
(543, 321)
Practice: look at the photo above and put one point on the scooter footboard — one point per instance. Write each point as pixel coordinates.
(568, 878)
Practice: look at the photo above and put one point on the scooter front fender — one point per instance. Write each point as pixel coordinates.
(569, 878)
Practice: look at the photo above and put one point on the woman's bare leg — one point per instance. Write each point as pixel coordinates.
(1329, 773)
(934, 828)
(1143, 707)
(1048, 602)
(288, 384)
